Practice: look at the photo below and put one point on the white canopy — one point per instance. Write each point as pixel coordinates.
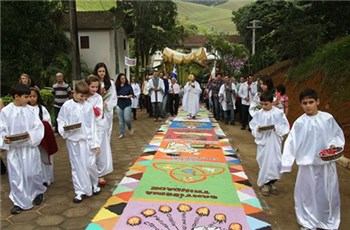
(175, 57)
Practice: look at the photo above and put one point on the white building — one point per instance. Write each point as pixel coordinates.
(100, 41)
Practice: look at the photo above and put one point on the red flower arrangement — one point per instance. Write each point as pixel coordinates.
(97, 112)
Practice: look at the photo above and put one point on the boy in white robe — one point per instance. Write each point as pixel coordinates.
(316, 193)
(104, 160)
(82, 142)
(268, 142)
(192, 92)
(23, 156)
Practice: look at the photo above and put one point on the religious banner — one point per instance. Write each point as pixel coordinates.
(130, 61)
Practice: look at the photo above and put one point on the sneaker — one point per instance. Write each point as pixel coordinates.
(121, 136)
(265, 190)
(78, 199)
(304, 228)
(132, 132)
(39, 199)
(273, 189)
(96, 190)
(16, 210)
(233, 123)
(242, 127)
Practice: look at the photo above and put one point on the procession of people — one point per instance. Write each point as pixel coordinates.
(84, 118)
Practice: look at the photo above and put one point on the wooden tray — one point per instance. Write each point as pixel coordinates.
(331, 154)
(266, 128)
(72, 127)
(18, 137)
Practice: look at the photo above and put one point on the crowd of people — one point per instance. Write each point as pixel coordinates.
(84, 118)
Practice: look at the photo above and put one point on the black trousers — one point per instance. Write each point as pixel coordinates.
(245, 115)
(174, 100)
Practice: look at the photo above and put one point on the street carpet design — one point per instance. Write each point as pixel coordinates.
(188, 178)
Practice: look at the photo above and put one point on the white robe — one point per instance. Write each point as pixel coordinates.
(190, 101)
(222, 94)
(80, 143)
(159, 93)
(111, 100)
(269, 150)
(137, 92)
(23, 157)
(244, 92)
(104, 160)
(47, 170)
(316, 194)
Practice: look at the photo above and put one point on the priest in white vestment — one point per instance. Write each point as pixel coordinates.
(192, 92)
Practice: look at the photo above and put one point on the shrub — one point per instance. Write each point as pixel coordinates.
(47, 97)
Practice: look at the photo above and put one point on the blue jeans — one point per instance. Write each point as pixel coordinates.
(156, 107)
(229, 114)
(124, 116)
(164, 106)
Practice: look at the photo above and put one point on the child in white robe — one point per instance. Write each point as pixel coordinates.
(316, 193)
(268, 142)
(23, 156)
(81, 142)
(108, 93)
(104, 160)
(192, 92)
(36, 104)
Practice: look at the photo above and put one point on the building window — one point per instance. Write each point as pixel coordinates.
(124, 44)
(84, 42)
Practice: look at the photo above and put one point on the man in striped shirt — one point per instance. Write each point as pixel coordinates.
(61, 92)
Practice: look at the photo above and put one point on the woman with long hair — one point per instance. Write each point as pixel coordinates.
(108, 93)
(124, 94)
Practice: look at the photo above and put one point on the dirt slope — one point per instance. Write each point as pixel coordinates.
(340, 110)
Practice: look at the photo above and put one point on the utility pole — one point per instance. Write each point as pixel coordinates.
(74, 41)
(254, 27)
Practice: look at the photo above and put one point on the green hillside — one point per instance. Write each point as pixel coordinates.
(84, 5)
(216, 18)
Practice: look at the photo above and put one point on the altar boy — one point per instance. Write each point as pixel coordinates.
(23, 155)
(316, 193)
(81, 141)
(269, 151)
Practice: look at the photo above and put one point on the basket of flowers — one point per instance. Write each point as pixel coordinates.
(332, 153)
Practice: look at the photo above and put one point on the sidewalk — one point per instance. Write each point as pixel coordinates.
(59, 211)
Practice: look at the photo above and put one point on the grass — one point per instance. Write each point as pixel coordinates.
(93, 5)
(214, 18)
(332, 62)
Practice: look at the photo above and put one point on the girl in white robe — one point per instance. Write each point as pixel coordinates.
(192, 92)
(104, 160)
(108, 92)
(316, 193)
(23, 157)
(268, 142)
(82, 142)
(46, 169)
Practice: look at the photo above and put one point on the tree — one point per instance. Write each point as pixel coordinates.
(152, 25)
(32, 38)
(231, 57)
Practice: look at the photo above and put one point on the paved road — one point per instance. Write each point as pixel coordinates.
(59, 212)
